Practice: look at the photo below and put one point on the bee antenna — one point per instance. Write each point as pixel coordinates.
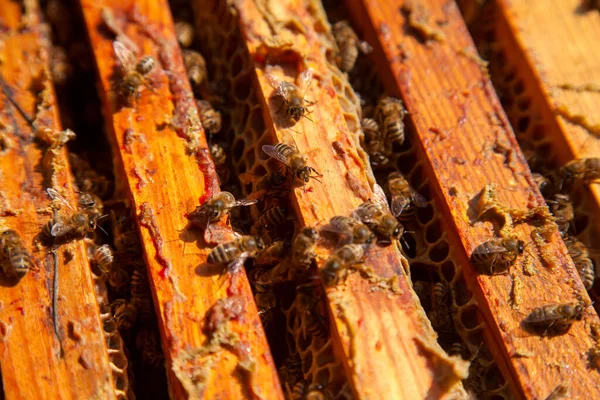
(313, 177)
(102, 217)
(309, 119)
(102, 229)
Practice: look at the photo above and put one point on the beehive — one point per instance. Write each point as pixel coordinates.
(414, 319)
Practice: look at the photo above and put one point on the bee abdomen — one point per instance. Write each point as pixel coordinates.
(585, 267)
(272, 218)
(223, 253)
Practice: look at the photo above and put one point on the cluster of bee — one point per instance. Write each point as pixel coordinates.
(556, 187)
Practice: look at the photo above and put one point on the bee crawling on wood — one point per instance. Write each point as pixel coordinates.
(135, 72)
(294, 160)
(336, 266)
(235, 252)
(352, 228)
(586, 170)
(215, 208)
(403, 198)
(554, 318)
(376, 215)
(496, 255)
(75, 224)
(292, 95)
(349, 45)
(14, 257)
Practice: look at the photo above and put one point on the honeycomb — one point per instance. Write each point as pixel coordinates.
(536, 131)
(114, 344)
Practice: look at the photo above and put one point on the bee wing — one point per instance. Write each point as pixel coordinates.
(272, 152)
(489, 249)
(124, 55)
(60, 228)
(216, 234)
(304, 80)
(398, 204)
(276, 84)
(54, 195)
(379, 198)
(418, 199)
(236, 264)
(244, 202)
(341, 229)
(365, 47)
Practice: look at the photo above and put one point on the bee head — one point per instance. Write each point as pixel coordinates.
(329, 271)
(391, 224)
(578, 312)
(296, 112)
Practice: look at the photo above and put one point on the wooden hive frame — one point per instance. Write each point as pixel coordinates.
(150, 153)
(424, 53)
(53, 343)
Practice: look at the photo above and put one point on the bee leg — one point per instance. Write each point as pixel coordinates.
(234, 266)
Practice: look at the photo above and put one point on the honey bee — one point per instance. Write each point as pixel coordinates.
(458, 349)
(497, 255)
(303, 247)
(294, 160)
(124, 234)
(16, 260)
(586, 170)
(134, 71)
(581, 258)
(234, 253)
(315, 325)
(124, 313)
(195, 66)
(271, 218)
(376, 215)
(76, 224)
(118, 278)
(104, 258)
(542, 183)
(562, 210)
(140, 294)
(403, 197)
(336, 266)
(349, 45)
(185, 33)
(218, 154)
(211, 118)
(272, 184)
(440, 316)
(390, 113)
(87, 179)
(373, 142)
(556, 318)
(352, 228)
(292, 95)
(291, 370)
(303, 391)
(149, 347)
(215, 208)
(90, 203)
